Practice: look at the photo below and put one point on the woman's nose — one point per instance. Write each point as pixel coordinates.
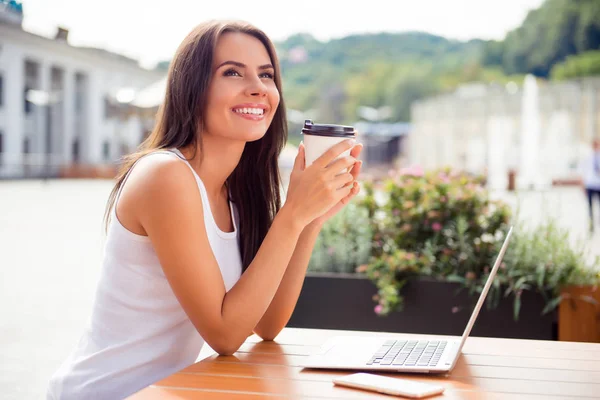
(256, 87)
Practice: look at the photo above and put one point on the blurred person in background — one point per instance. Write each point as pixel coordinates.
(199, 248)
(590, 171)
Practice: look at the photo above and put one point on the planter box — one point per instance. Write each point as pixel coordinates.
(344, 301)
(579, 319)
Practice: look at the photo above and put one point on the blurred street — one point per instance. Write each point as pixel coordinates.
(51, 246)
(566, 205)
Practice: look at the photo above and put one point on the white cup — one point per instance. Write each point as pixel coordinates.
(319, 138)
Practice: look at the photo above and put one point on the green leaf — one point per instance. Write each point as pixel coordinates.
(455, 278)
(590, 299)
(517, 308)
(541, 275)
(552, 304)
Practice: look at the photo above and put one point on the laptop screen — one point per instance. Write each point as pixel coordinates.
(485, 290)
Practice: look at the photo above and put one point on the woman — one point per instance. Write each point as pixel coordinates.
(199, 248)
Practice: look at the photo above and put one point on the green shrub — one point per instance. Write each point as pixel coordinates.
(543, 259)
(444, 225)
(344, 242)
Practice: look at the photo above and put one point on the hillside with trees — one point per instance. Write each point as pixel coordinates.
(558, 30)
(331, 80)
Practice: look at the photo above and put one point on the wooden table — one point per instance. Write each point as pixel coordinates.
(488, 369)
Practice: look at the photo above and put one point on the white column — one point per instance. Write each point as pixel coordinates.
(415, 138)
(134, 132)
(14, 84)
(57, 107)
(92, 150)
(41, 115)
(498, 134)
(446, 132)
(68, 117)
(116, 132)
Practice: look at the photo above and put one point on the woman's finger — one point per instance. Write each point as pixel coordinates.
(356, 150)
(300, 161)
(353, 192)
(356, 169)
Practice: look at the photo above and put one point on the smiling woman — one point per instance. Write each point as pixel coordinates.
(199, 247)
(235, 82)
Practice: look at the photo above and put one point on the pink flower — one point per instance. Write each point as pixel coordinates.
(455, 309)
(414, 170)
(361, 268)
(378, 309)
(443, 199)
(443, 178)
(331, 251)
(436, 226)
(409, 204)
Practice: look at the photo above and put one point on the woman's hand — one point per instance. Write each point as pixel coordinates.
(317, 189)
(355, 152)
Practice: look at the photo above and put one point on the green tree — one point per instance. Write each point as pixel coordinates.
(549, 34)
(584, 64)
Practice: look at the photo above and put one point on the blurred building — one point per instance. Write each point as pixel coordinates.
(62, 105)
(539, 130)
(383, 145)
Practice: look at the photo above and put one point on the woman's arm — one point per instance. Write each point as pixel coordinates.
(170, 210)
(173, 219)
(284, 302)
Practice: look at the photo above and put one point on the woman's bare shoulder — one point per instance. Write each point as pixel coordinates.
(157, 180)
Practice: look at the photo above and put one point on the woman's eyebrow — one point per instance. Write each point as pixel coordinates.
(242, 65)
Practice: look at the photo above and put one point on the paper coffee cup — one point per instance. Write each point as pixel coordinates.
(318, 138)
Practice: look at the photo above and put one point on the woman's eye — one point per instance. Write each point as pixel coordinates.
(267, 75)
(231, 72)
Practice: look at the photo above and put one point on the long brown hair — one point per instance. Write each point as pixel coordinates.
(180, 118)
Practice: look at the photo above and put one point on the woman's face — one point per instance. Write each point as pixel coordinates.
(242, 96)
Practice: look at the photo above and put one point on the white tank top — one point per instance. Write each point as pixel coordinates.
(138, 332)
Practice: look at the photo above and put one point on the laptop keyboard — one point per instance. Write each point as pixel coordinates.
(409, 353)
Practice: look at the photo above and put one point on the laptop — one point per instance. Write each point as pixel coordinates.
(407, 354)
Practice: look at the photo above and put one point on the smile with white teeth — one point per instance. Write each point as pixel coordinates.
(254, 111)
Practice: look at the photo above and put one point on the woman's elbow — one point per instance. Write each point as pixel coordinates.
(226, 346)
(225, 351)
(267, 335)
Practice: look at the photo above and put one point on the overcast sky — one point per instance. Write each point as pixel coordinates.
(150, 30)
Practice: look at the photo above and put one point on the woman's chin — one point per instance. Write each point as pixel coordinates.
(254, 136)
